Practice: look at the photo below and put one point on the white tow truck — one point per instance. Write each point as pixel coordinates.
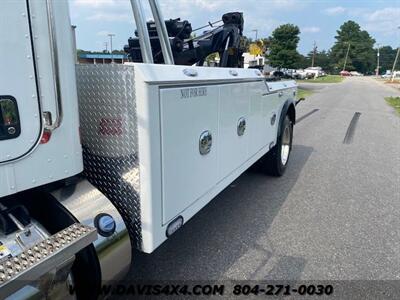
(96, 160)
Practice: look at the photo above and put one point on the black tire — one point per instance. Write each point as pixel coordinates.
(272, 163)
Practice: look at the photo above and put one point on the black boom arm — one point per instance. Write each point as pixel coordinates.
(225, 40)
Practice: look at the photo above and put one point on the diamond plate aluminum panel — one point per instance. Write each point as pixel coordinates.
(109, 135)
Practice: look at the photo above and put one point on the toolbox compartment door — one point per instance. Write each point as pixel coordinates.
(263, 116)
(20, 117)
(234, 105)
(187, 174)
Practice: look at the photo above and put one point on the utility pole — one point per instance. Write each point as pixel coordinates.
(256, 31)
(395, 60)
(106, 45)
(313, 55)
(377, 63)
(111, 48)
(347, 55)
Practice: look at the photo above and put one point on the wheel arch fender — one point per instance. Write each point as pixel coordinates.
(287, 109)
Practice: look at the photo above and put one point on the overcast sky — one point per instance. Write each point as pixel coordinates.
(318, 19)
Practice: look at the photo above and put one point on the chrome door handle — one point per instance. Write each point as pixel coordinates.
(241, 126)
(280, 94)
(205, 142)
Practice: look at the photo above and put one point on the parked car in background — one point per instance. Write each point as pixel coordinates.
(315, 71)
(388, 74)
(302, 74)
(345, 73)
(277, 75)
(288, 73)
(299, 74)
(355, 73)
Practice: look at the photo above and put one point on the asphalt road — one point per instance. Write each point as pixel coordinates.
(334, 215)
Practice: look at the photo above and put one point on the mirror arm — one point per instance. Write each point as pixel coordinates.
(298, 101)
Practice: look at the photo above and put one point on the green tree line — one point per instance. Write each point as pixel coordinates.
(115, 51)
(282, 50)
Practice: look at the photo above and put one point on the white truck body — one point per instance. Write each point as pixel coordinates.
(169, 174)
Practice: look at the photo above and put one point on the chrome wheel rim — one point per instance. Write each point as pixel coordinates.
(285, 148)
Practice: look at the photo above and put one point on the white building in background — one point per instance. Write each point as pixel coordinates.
(251, 60)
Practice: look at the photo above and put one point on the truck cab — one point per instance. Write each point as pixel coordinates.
(39, 120)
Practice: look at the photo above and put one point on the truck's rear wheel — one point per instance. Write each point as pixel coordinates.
(276, 160)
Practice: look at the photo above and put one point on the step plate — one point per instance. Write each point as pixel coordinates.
(30, 265)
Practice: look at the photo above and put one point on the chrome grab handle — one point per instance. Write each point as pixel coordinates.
(56, 69)
(162, 32)
(144, 39)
